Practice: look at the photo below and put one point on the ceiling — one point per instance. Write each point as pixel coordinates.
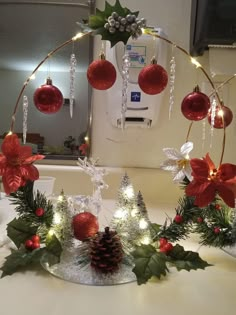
(29, 30)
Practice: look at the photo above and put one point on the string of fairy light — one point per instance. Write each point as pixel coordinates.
(146, 31)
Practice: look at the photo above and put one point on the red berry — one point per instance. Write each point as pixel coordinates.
(35, 245)
(28, 244)
(178, 218)
(218, 207)
(162, 241)
(199, 219)
(216, 230)
(166, 248)
(39, 212)
(35, 239)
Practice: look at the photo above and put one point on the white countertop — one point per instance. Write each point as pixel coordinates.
(206, 292)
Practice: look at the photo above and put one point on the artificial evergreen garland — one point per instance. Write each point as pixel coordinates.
(30, 231)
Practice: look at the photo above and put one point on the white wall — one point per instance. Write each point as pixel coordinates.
(143, 147)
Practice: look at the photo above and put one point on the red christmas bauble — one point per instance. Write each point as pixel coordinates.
(153, 79)
(101, 74)
(35, 245)
(48, 98)
(195, 105)
(35, 239)
(85, 225)
(221, 112)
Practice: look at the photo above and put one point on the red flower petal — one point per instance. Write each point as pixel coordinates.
(3, 164)
(206, 197)
(196, 187)
(226, 194)
(227, 171)
(11, 179)
(29, 172)
(200, 168)
(209, 161)
(25, 152)
(11, 146)
(34, 158)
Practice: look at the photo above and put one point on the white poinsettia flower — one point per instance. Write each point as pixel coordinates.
(178, 162)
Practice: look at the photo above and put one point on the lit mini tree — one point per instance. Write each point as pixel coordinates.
(130, 219)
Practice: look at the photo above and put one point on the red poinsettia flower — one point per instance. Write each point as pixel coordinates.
(16, 164)
(209, 181)
(83, 148)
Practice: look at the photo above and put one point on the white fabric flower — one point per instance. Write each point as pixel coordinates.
(178, 162)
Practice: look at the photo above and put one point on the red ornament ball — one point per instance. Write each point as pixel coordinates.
(39, 212)
(101, 74)
(48, 98)
(85, 225)
(178, 218)
(222, 112)
(153, 79)
(195, 105)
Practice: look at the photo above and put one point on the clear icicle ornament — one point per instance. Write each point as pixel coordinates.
(172, 84)
(73, 64)
(125, 77)
(213, 114)
(25, 117)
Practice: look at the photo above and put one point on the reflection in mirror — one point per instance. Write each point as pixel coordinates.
(29, 30)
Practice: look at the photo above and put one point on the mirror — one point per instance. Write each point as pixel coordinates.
(29, 30)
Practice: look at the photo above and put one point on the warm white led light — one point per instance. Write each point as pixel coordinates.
(79, 35)
(120, 214)
(60, 198)
(128, 192)
(51, 232)
(143, 224)
(57, 218)
(195, 62)
(146, 240)
(32, 77)
(220, 113)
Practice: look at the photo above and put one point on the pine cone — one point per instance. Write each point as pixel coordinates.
(106, 251)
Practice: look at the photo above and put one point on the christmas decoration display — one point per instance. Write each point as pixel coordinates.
(101, 74)
(195, 106)
(48, 98)
(65, 236)
(153, 78)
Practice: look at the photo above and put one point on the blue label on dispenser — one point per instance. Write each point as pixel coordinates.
(135, 96)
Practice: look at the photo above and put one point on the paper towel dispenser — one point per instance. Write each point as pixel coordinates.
(213, 22)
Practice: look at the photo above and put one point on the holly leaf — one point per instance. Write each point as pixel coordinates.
(19, 259)
(53, 246)
(155, 230)
(186, 260)
(19, 231)
(148, 262)
(98, 21)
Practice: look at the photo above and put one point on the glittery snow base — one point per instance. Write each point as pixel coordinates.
(69, 269)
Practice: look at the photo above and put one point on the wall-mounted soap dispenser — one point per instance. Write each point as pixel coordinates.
(142, 109)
